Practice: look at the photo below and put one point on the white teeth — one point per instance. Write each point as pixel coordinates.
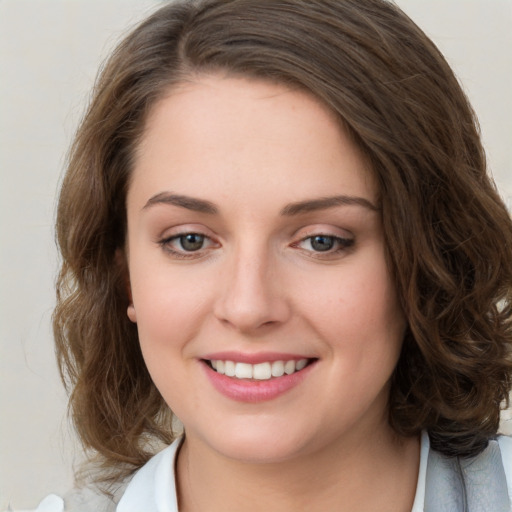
(289, 367)
(260, 371)
(301, 364)
(277, 369)
(229, 368)
(243, 371)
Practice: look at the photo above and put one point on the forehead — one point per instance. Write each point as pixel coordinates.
(244, 133)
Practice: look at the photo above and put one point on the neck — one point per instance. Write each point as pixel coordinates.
(365, 473)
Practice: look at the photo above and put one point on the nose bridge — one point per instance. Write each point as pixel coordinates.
(251, 296)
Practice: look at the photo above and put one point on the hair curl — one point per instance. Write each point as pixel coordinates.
(448, 234)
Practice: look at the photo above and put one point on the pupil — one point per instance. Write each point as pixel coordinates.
(322, 243)
(192, 241)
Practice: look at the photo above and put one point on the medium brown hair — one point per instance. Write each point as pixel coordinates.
(448, 234)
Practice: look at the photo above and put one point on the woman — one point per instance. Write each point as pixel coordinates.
(277, 224)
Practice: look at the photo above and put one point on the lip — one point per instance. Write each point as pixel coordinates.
(260, 357)
(253, 391)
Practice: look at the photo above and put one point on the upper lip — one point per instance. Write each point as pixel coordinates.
(255, 358)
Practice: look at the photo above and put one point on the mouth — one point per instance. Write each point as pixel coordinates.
(263, 371)
(253, 378)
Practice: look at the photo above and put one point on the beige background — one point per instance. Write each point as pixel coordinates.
(49, 53)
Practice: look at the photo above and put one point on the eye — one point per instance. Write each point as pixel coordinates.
(325, 243)
(322, 243)
(191, 241)
(186, 245)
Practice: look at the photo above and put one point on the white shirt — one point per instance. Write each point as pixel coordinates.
(153, 489)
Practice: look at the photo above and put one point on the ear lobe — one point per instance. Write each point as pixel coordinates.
(122, 265)
(132, 315)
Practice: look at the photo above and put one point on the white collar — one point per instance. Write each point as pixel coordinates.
(153, 488)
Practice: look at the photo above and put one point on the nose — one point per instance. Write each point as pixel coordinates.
(252, 295)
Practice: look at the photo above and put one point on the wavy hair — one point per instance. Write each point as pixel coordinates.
(448, 234)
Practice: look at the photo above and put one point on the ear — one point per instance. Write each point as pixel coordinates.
(122, 264)
(130, 311)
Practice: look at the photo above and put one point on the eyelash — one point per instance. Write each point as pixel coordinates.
(341, 244)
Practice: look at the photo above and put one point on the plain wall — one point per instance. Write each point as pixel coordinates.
(49, 53)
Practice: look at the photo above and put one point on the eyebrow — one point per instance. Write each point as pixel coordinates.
(300, 207)
(190, 203)
(324, 203)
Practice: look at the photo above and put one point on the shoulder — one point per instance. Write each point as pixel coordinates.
(481, 481)
(148, 489)
(91, 499)
(87, 499)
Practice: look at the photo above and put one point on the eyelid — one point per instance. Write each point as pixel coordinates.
(183, 229)
(322, 230)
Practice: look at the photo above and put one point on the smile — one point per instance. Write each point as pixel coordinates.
(256, 381)
(261, 371)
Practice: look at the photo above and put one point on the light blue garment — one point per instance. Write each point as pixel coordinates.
(477, 484)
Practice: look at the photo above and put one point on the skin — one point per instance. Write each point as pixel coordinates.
(259, 284)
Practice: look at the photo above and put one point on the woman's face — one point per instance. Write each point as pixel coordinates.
(266, 312)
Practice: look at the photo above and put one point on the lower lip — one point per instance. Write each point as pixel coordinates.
(252, 391)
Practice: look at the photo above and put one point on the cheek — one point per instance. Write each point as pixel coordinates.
(358, 312)
(168, 306)
(168, 320)
(362, 297)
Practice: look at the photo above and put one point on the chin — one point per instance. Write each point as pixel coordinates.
(252, 451)
(258, 443)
